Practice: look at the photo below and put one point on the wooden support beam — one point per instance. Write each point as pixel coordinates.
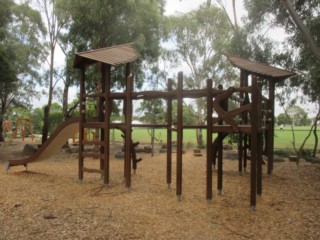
(209, 140)
(82, 120)
(224, 107)
(270, 141)
(107, 121)
(169, 135)
(179, 134)
(128, 120)
(254, 143)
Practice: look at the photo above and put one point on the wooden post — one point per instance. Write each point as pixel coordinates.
(128, 120)
(179, 135)
(246, 137)
(241, 138)
(107, 120)
(101, 103)
(260, 140)
(82, 120)
(271, 126)
(169, 135)
(209, 139)
(127, 73)
(224, 106)
(254, 143)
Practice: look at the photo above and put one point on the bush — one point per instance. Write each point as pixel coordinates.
(282, 152)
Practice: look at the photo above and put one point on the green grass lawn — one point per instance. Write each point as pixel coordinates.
(283, 138)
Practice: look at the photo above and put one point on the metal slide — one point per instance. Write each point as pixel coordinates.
(57, 139)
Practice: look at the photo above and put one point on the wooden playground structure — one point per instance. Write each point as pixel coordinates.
(253, 120)
(22, 125)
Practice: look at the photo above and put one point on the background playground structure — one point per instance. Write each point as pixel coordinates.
(22, 128)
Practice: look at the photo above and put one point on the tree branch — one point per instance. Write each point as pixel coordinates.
(304, 30)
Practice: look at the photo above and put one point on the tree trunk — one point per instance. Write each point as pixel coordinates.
(152, 141)
(199, 122)
(1, 128)
(199, 137)
(235, 15)
(45, 128)
(315, 139)
(65, 100)
(3, 110)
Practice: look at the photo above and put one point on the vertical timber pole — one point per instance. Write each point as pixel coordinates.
(169, 134)
(240, 144)
(128, 117)
(82, 120)
(127, 73)
(107, 115)
(179, 135)
(224, 106)
(260, 140)
(209, 139)
(101, 104)
(245, 121)
(271, 126)
(254, 143)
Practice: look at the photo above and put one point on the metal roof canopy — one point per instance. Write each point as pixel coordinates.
(114, 55)
(259, 69)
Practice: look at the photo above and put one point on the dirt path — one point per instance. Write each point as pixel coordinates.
(47, 202)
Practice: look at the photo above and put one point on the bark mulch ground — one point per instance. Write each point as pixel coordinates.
(47, 201)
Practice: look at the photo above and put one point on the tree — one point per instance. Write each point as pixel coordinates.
(305, 32)
(104, 23)
(55, 23)
(301, 21)
(283, 119)
(199, 38)
(153, 112)
(20, 55)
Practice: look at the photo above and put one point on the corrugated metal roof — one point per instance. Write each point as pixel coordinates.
(114, 55)
(259, 68)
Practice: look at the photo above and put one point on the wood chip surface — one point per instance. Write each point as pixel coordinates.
(47, 201)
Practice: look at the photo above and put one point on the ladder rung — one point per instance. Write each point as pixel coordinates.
(90, 170)
(95, 95)
(92, 155)
(92, 142)
(93, 124)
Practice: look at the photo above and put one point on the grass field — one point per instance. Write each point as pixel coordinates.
(283, 138)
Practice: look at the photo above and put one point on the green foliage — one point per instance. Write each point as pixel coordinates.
(297, 115)
(296, 53)
(55, 118)
(20, 55)
(283, 119)
(152, 111)
(200, 36)
(232, 139)
(96, 24)
(36, 118)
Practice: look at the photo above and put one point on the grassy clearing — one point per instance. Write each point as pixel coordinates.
(283, 138)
